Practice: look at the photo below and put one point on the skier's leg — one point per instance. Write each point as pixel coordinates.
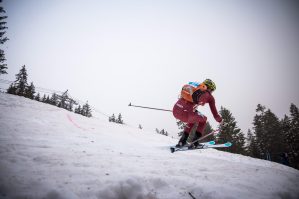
(201, 123)
(183, 139)
(188, 127)
(195, 143)
(197, 117)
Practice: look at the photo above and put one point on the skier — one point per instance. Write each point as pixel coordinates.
(193, 95)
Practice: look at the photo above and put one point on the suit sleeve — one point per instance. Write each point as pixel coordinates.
(214, 109)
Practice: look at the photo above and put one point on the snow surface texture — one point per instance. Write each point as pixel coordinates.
(47, 152)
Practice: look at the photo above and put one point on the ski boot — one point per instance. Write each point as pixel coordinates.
(196, 144)
(183, 140)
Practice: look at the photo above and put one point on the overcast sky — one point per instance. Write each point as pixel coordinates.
(112, 53)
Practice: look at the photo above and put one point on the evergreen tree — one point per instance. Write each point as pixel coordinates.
(275, 140)
(63, 100)
(140, 127)
(230, 132)
(258, 130)
(71, 104)
(30, 91)
(252, 148)
(268, 134)
(37, 97)
(119, 119)
(78, 110)
(112, 118)
(44, 99)
(21, 82)
(157, 130)
(165, 133)
(3, 66)
(86, 110)
(54, 99)
(181, 125)
(48, 101)
(162, 132)
(3, 39)
(291, 130)
(12, 89)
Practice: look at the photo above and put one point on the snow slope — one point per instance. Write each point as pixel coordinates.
(50, 153)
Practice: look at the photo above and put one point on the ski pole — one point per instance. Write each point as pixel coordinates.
(203, 137)
(159, 109)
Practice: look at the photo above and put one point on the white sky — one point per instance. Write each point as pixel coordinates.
(115, 52)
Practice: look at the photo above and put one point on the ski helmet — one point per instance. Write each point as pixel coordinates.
(210, 84)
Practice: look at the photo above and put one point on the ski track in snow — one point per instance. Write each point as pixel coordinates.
(50, 153)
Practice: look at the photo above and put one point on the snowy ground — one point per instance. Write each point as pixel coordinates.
(50, 153)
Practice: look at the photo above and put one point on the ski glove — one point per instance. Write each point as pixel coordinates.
(218, 118)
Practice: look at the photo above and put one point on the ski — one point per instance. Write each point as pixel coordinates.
(204, 145)
(227, 144)
(186, 147)
(203, 137)
(215, 132)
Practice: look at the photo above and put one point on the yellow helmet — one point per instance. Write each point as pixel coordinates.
(210, 84)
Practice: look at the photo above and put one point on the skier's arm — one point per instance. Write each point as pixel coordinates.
(214, 110)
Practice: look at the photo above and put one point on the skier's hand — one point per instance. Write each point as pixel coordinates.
(218, 119)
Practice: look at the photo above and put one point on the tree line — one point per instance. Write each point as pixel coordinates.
(21, 87)
(3, 39)
(270, 138)
(162, 132)
(118, 120)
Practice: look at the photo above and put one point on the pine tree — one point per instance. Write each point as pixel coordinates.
(48, 101)
(276, 140)
(259, 130)
(78, 109)
(165, 133)
(54, 99)
(37, 97)
(181, 125)
(112, 118)
(3, 66)
(44, 99)
(86, 110)
(252, 148)
(30, 91)
(21, 82)
(292, 135)
(162, 132)
(157, 130)
(12, 89)
(119, 119)
(3, 39)
(230, 132)
(268, 134)
(140, 127)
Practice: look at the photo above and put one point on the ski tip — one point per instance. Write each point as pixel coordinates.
(212, 142)
(228, 144)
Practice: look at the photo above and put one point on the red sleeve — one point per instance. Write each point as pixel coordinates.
(214, 109)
